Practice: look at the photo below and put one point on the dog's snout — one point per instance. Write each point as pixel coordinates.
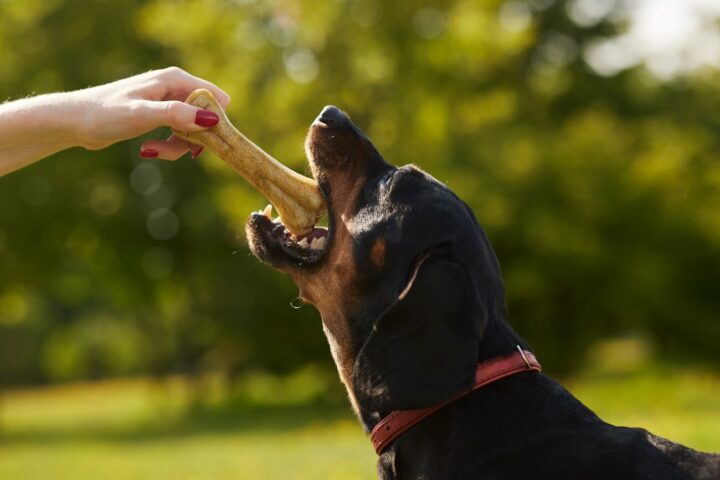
(333, 116)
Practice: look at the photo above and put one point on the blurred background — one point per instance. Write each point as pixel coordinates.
(140, 339)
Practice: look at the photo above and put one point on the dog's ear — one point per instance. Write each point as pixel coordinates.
(424, 348)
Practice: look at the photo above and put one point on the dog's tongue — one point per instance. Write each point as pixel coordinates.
(294, 196)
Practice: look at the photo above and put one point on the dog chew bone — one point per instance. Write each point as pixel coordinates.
(294, 196)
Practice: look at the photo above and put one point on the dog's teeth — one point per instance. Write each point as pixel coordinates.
(267, 211)
(303, 243)
(318, 243)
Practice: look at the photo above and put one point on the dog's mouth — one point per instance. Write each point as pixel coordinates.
(272, 242)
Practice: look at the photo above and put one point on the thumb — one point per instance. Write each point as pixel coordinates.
(180, 116)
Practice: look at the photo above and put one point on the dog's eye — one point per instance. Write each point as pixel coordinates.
(385, 180)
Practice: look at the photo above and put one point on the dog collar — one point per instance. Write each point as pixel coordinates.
(398, 422)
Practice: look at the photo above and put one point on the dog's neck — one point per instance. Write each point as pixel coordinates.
(498, 340)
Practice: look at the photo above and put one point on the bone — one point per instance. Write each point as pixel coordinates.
(294, 196)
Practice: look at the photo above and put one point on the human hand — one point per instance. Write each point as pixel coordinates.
(133, 106)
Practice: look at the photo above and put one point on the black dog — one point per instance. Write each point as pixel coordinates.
(412, 298)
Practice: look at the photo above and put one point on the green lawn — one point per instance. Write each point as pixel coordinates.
(135, 429)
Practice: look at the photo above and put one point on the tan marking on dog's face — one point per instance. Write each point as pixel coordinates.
(377, 253)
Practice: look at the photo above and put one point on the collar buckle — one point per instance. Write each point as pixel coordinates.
(524, 357)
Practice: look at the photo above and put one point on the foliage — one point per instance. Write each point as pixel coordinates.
(600, 194)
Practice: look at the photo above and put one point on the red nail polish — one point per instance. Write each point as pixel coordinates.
(197, 152)
(206, 118)
(148, 153)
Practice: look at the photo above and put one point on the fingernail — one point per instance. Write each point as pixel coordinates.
(148, 153)
(197, 152)
(206, 118)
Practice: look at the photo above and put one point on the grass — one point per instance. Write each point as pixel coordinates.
(137, 429)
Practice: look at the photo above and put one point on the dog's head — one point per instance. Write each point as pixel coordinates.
(406, 281)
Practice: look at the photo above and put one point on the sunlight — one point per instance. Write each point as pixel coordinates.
(667, 36)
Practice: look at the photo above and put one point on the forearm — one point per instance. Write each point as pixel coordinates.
(33, 128)
(94, 118)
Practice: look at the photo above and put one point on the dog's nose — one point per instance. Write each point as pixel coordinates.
(333, 116)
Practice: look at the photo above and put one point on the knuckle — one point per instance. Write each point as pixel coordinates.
(134, 109)
(172, 71)
(172, 111)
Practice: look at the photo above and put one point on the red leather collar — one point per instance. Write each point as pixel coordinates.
(399, 421)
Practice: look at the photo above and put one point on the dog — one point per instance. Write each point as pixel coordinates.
(412, 304)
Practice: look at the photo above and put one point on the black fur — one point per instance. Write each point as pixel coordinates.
(408, 331)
